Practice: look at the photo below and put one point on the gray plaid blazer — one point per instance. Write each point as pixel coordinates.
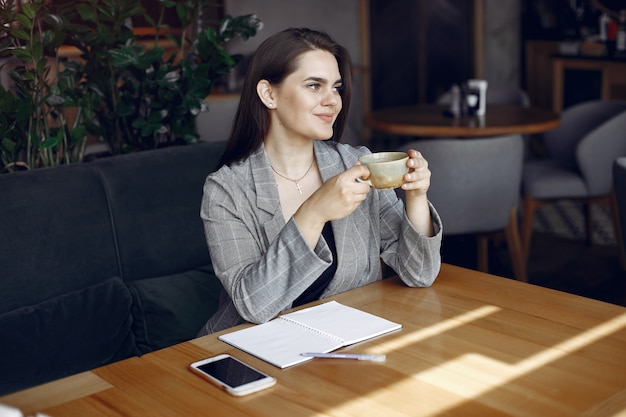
(264, 263)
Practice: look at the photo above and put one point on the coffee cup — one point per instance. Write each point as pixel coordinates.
(387, 169)
(480, 87)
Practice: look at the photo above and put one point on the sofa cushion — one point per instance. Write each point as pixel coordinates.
(172, 309)
(70, 333)
(155, 201)
(56, 234)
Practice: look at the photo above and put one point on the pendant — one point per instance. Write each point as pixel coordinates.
(299, 188)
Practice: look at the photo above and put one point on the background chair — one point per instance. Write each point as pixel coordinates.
(619, 206)
(578, 166)
(475, 187)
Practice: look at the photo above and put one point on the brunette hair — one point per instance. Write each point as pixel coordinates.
(274, 60)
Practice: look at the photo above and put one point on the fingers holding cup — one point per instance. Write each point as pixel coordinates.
(418, 177)
(387, 169)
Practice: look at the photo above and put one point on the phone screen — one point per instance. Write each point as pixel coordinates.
(231, 372)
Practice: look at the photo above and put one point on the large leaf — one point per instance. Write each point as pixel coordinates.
(86, 12)
(55, 100)
(145, 61)
(22, 54)
(30, 9)
(36, 50)
(52, 39)
(41, 65)
(123, 57)
(24, 21)
(52, 141)
(21, 34)
(34, 138)
(54, 20)
(78, 134)
(8, 145)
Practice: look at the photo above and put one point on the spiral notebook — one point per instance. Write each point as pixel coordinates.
(322, 328)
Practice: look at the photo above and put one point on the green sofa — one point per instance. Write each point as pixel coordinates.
(101, 261)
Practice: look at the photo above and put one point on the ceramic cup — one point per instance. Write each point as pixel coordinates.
(481, 87)
(387, 169)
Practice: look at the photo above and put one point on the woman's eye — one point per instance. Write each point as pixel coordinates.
(314, 86)
(338, 88)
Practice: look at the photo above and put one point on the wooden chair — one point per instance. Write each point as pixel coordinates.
(619, 207)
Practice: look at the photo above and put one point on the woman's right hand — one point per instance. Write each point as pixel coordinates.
(335, 199)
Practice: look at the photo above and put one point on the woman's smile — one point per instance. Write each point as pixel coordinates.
(327, 117)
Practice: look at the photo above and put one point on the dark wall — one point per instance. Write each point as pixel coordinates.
(449, 46)
(394, 40)
(418, 49)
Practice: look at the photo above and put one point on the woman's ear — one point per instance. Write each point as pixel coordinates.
(265, 93)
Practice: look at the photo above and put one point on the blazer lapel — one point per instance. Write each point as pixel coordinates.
(350, 237)
(267, 198)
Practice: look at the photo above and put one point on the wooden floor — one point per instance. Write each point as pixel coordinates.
(554, 262)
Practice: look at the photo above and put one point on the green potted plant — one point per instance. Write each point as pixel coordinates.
(131, 95)
(33, 129)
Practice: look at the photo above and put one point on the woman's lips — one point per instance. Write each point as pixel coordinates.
(328, 117)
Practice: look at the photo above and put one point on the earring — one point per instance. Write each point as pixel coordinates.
(270, 105)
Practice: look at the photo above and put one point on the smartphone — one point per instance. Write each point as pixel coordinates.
(234, 376)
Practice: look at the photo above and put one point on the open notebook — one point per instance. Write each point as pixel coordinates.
(322, 328)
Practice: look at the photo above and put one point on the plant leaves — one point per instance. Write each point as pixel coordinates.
(29, 10)
(123, 57)
(131, 95)
(53, 19)
(37, 56)
(24, 20)
(21, 34)
(86, 12)
(52, 141)
(41, 66)
(78, 134)
(22, 54)
(8, 145)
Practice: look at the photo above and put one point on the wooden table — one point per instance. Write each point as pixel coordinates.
(429, 120)
(473, 344)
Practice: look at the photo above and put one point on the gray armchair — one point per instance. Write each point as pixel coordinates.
(578, 167)
(475, 187)
(619, 206)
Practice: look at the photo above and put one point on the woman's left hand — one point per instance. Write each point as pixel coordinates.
(417, 180)
(416, 184)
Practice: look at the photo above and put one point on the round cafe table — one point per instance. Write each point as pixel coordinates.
(430, 120)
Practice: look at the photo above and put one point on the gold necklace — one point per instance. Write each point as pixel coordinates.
(298, 186)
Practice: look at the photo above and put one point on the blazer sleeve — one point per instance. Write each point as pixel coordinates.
(262, 276)
(415, 257)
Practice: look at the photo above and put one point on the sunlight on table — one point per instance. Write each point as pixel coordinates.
(472, 375)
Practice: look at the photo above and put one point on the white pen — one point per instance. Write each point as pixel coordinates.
(360, 356)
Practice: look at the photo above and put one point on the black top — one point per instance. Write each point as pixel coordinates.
(317, 288)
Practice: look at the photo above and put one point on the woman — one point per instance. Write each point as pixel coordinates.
(285, 219)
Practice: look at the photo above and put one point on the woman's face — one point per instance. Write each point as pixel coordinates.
(307, 102)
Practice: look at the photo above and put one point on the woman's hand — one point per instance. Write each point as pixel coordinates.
(417, 180)
(416, 184)
(341, 194)
(335, 199)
